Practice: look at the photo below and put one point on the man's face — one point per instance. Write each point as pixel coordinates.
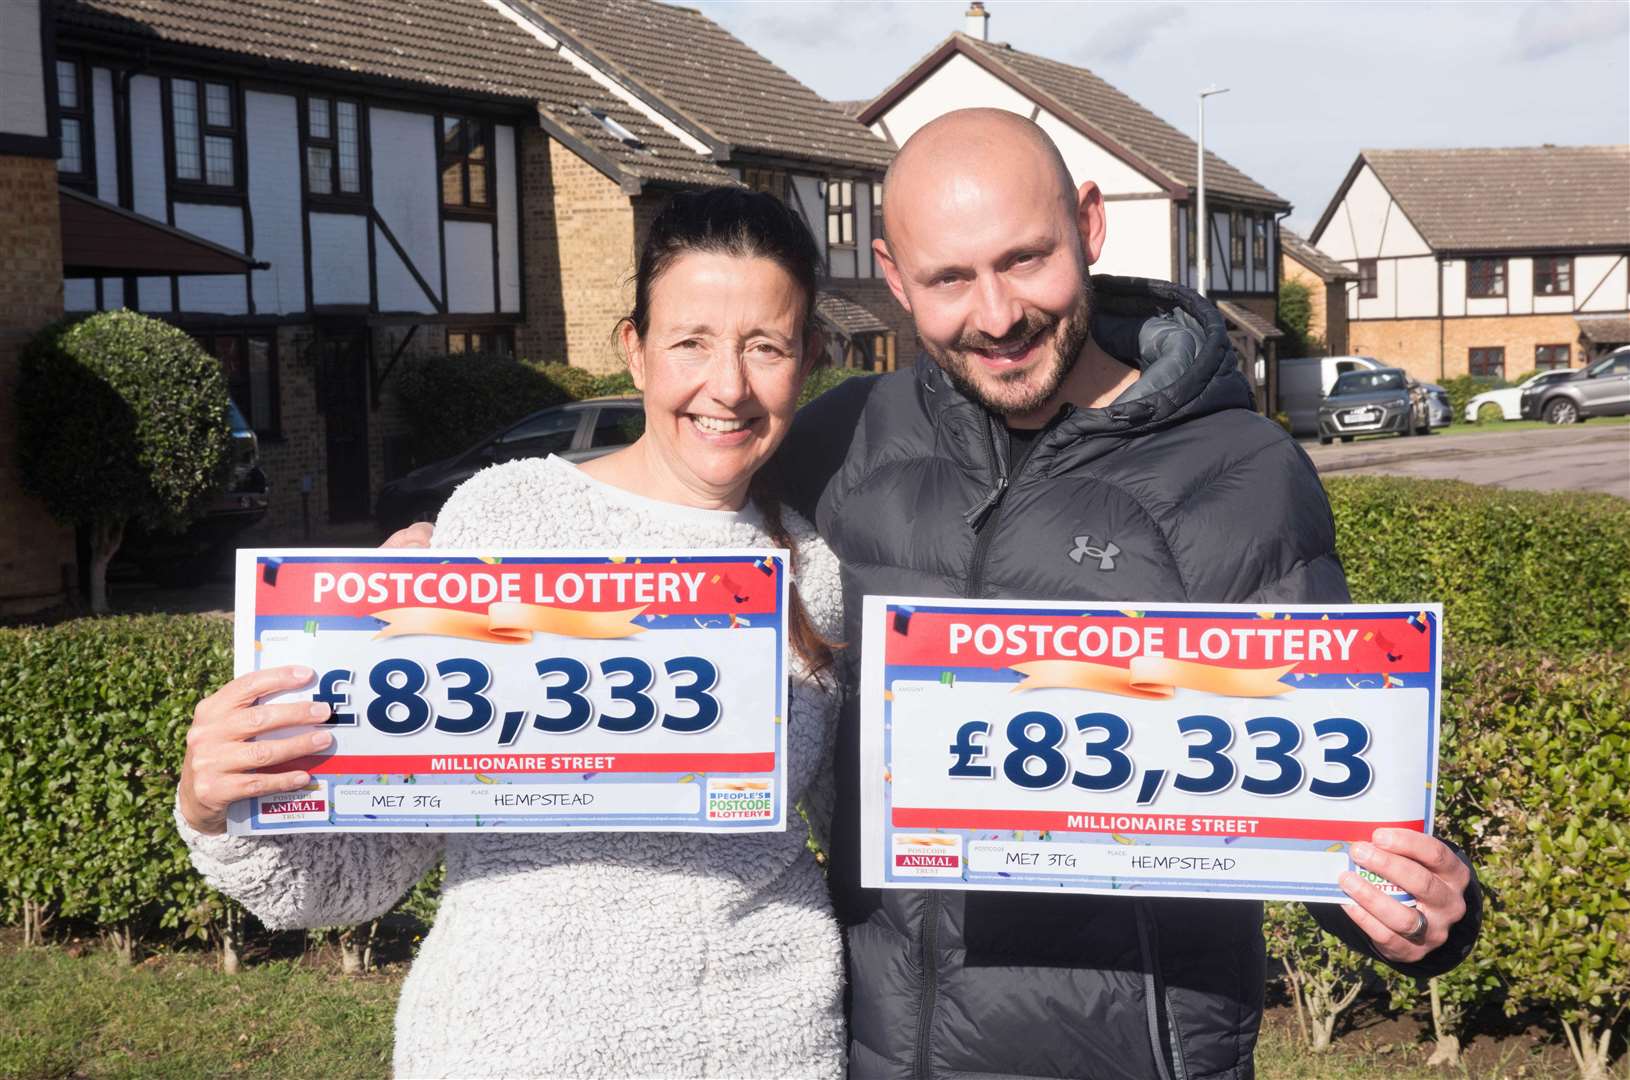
(991, 266)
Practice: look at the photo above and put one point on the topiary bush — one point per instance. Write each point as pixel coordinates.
(1511, 567)
(121, 417)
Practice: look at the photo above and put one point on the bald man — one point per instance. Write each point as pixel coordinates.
(1056, 412)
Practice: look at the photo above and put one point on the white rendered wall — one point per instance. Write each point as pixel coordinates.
(1454, 287)
(863, 230)
(469, 266)
(403, 158)
(1137, 239)
(959, 83)
(222, 294)
(1417, 286)
(397, 289)
(147, 176)
(274, 202)
(22, 83)
(107, 150)
(339, 259)
(1605, 279)
(1519, 286)
(1089, 161)
(509, 216)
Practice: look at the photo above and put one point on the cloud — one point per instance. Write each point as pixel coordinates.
(1551, 27)
(1122, 38)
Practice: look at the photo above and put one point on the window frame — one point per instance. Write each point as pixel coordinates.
(1500, 279)
(1369, 284)
(83, 114)
(234, 133)
(1558, 266)
(207, 339)
(876, 187)
(842, 212)
(1486, 351)
(503, 335)
(1259, 242)
(1236, 244)
(1544, 357)
(770, 181)
(335, 195)
(487, 211)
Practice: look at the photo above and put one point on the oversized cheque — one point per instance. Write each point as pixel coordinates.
(1164, 750)
(526, 691)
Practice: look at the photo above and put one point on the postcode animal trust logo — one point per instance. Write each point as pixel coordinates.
(1085, 549)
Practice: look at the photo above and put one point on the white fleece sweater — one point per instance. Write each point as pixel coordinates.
(609, 954)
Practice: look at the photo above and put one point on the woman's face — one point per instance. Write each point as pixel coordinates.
(720, 365)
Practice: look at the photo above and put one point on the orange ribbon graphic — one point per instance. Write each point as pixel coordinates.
(1153, 677)
(508, 623)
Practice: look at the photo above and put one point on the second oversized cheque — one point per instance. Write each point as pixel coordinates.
(548, 691)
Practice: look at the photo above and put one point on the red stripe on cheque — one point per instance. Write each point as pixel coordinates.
(444, 764)
(1145, 824)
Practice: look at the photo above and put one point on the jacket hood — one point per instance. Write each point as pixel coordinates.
(1173, 336)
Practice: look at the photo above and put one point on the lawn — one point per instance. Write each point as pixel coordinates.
(1505, 427)
(67, 1015)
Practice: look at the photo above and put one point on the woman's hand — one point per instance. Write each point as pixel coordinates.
(222, 764)
(416, 535)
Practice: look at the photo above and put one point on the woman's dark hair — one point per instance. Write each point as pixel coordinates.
(749, 225)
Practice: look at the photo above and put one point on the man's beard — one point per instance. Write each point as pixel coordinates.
(1020, 393)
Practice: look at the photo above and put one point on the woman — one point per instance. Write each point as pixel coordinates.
(604, 954)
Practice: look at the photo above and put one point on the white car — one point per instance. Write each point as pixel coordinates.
(1510, 399)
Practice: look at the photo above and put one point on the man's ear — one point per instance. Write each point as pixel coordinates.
(1090, 220)
(891, 272)
(633, 352)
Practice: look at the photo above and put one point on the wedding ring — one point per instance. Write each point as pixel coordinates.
(1417, 936)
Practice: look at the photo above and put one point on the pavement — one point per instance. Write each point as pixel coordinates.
(1587, 458)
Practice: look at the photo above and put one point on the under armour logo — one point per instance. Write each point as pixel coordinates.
(1105, 555)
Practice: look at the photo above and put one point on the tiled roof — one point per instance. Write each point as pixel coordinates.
(1253, 324)
(1312, 258)
(1605, 329)
(853, 108)
(715, 81)
(1503, 199)
(848, 317)
(460, 45)
(1090, 101)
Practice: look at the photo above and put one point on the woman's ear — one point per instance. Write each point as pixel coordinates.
(814, 349)
(633, 352)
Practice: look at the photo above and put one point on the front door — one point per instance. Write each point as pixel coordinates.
(343, 379)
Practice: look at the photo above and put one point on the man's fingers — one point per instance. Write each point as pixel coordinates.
(247, 689)
(1406, 873)
(416, 535)
(1385, 939)
(1392, 919)
(1431, 853)
(265, 753)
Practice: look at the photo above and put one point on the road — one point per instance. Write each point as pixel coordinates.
(1589, 458)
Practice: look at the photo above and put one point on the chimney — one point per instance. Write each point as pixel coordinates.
(976, 23)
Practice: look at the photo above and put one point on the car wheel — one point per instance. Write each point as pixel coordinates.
(1346, 438)
(1561, 411)
(1324, 440)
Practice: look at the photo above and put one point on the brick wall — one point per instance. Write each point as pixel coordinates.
(1328, 320)
(33, 547)
(873, 294)
(1412, 344)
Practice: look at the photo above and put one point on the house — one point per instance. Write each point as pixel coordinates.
(355, 182)
(1490, 262)
(1145, 167)
(1326, 281)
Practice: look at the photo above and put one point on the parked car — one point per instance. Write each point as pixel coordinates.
(1372, 402)
(189, 557)
(577, 431)
(1305, 380)
(1509, 399)
(1602, 389)
(1440, 410)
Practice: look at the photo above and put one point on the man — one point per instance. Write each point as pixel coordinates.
(1051, 407)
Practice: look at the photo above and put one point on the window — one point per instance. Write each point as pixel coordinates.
(840, 213)
(1236, 243)
(1485, 277)
(203, 126)
(1552, 357)
(466, 182)
(1259, 243)
(77, 165)
(769, 181)
(1368, 274)
(496, 341)
(548, 432)
(618, 425)
(1553, 275)
(333, 147)
(1487, 363)
(250, 364)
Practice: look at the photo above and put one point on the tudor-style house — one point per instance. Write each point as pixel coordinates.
(1326, 281)
(1491, 262)
(317, 188)
(1144, 166)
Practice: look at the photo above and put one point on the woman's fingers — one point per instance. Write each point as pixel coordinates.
(265, 753)
(226, 790)
(259, 719)
(247, 689)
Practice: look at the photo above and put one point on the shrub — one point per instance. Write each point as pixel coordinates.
(447, 403)
(1511, 567)
(1295, 313)
(121, 417)
(1322, 975)
(1462, 388)
(823, 379)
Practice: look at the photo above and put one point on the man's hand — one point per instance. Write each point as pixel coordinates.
(1425, 868)
(416, 535)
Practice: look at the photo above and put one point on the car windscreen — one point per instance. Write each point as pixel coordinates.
(1366, 382)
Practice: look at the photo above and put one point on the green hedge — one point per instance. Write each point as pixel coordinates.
(1544, 569)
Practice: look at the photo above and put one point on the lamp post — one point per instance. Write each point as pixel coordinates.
(1201, 224)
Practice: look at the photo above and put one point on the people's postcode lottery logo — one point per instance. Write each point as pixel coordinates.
(740, 800)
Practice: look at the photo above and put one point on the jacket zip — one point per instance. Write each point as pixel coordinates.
(1168, 1055)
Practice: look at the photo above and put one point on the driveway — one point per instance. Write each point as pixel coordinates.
(1589, 458)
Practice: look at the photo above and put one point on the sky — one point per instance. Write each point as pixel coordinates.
(1310, 84)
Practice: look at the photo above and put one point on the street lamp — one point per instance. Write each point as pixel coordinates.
(1201, 224)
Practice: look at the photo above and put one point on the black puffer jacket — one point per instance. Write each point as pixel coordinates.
(1206, 501)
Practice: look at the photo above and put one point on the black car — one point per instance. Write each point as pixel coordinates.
(577, 432)
(1373, 402)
